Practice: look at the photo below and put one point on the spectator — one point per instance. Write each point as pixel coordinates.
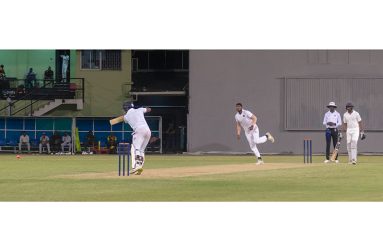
(64, 69)
(56, 142)
(48, 76)
(67, 141)
(10, 105)
(24, 140)
(30, 79)
(2, 72)
(170, 135)
(112, 143)
(44, 141)
(154, 144)
(90, 140)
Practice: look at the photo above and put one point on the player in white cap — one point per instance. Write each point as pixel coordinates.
(353, 123)
(141, 134)
(248, 122)
(332, 121)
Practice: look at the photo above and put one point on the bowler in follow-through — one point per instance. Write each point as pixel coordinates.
(248, 121)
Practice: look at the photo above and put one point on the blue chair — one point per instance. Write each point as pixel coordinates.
(12, 142)
(34, 142)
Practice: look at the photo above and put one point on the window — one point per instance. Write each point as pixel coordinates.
(160, 60)
(101, 59)
(111, 60)
(90, 59)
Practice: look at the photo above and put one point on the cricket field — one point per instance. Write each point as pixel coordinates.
(189, 178)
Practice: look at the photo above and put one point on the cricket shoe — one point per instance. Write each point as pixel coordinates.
(326, 161)
(138, 170)
(353, 162)
(336, 161)
(260, 162)
(270, 137)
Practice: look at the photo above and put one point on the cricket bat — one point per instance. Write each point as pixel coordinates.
(116, 120)
(336, 150)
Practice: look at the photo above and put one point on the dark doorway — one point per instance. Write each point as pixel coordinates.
(163, 72)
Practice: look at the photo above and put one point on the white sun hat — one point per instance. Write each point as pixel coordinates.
(332, 104)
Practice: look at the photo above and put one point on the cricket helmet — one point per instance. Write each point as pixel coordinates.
(127, 105)
(349, 104)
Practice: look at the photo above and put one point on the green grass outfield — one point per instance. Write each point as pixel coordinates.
(64, 178)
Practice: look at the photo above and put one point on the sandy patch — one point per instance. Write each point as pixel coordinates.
(179, 172)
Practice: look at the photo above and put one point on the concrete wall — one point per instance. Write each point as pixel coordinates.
(104, 92)
(219, 79)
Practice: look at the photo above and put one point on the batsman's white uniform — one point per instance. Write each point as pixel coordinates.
(352, 121)
(244, 119)
(141, 132)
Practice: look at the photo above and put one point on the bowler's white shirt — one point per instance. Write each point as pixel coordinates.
(333, 117)
(135, 118)
(352, 119)
(244, 119)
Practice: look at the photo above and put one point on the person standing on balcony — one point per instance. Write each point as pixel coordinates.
(30, 79)
(48, 76)
(2, 72)
(64, 68)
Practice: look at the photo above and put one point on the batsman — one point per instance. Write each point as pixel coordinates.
(141, 133)
(353, 126)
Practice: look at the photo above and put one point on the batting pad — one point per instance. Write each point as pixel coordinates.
(133, 156)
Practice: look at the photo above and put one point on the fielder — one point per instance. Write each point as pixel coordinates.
(141, 135)
(353, 123)
(248, 122)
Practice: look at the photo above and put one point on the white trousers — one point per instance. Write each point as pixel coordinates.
(41, 147)
(352, 143)
(69, 144)
(64, 70)
(254, 139)
(27, 144)
(141, 139)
